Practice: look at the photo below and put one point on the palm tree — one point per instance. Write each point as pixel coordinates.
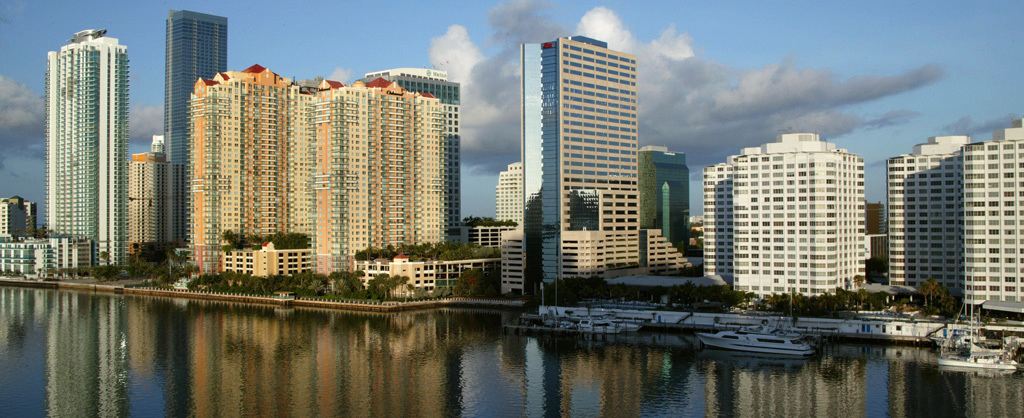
(105, 256)
(930, 288)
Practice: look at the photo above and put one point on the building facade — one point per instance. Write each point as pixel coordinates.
(154, 207)
(484, 236)
(579, 146)
(993, 176)
(44, 257)
(380, 174)
(664, 183)
(14, 216)
(508, 195)
(252, 159)
(425, 274)
(269, 261)
(196, 47)
(435, 83)
(789, 217)
(87, 141)
(925, 214)
(875, 219)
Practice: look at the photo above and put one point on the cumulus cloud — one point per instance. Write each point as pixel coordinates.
(21, 121)
(981, 130)
(144, 121)
(344, 75)
(691, 104)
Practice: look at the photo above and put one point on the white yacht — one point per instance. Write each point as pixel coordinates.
(605, 326)
(758, 340)
(976, 357)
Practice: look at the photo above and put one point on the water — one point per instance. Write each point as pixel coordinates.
(66, 353)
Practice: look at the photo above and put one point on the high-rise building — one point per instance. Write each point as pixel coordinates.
(252, 165)
(874, 218)
(664, 182)
(379, 169)
(14, 216)
(925, 221)
(508, 195)
(197, 47)
(993, 196)
(436, 84)
(87, 142)
(789, 217)
(153, 205)
(579, 148)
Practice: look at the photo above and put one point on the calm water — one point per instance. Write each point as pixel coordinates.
(68, 353)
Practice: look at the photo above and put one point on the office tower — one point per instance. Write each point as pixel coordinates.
(874, 218)
(993, 199)
(153, 204)
(436, 84)
(508, 195)
(246, 127)
(579, 145)
(87, 142)
(925, 194)
(379, 174)
(664, 182)
(197, 47)
(789, 217)
(13, 216)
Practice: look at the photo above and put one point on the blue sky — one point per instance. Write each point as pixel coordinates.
(873, 77)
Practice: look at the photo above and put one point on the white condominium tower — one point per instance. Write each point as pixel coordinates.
(87, 141)
(925, 214)
(788, 216)
(508, 194)
(993, 221)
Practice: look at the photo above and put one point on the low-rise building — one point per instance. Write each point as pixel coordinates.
(425, 274)
(484, 236)
(268, 261)
(37, 258)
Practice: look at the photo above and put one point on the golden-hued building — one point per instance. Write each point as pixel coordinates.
(379, 173)
(252, 160)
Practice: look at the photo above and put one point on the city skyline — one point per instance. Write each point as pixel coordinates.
(873, 82)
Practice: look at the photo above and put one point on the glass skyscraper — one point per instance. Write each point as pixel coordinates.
(664, 181)
(87, 142)
(197, 47)
(579, 146)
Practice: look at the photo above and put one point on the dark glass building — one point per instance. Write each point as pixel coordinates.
(664, 182)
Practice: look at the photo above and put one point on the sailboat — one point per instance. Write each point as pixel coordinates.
(964, 352)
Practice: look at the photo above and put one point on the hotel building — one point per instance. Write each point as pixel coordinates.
(993, 178)
(925, 218)
(789, 217)
(252, 159)
(379, 169)
(508, 195)
(435, 83)
(87, 141)
(425, 274)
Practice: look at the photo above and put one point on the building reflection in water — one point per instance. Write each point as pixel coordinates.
(77, 353)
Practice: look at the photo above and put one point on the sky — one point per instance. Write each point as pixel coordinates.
(874, 77)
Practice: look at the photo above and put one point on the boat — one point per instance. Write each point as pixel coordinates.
(758, 340)
(605, 326)
(962, 350)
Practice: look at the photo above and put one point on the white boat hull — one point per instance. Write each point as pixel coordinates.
(789, 349)
(977, 363)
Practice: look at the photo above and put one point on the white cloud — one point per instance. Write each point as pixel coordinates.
(344, 75)
(144, 121)
(706, 109)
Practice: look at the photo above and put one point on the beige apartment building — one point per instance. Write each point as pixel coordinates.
(252, 159)
(268, 261)
(426, 274)
(154, 208)
(379, 175)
